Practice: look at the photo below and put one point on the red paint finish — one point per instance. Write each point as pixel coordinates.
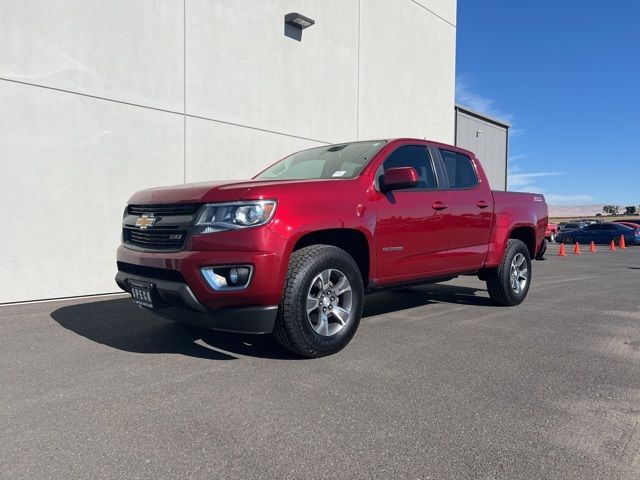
(411, 237)
(410, 234)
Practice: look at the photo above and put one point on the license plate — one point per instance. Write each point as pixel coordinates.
(142, 293)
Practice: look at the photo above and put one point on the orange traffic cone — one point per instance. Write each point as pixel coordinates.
(561, 252)
(576, 249)
(623, 244)
(612, 246)
(592, 247)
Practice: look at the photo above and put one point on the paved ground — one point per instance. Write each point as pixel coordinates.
(438, 383)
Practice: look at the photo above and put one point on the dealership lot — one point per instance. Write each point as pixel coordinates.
(437, 383)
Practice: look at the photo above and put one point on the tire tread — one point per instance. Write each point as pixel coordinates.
(287, 329)
(496, 283)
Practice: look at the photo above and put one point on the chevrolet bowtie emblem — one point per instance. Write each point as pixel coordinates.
(145, 221)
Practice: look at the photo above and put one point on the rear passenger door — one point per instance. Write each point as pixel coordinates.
(470, 211)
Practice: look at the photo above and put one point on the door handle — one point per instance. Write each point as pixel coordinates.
(482, 204)
(439, 205)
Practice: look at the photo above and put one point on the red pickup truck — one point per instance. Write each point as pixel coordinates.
(294, 250)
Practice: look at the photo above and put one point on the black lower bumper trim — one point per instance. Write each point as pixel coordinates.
(237, 320)
(178, 303)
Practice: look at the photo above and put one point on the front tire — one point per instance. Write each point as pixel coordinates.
(568, 240)
(509, 283)
(552, 237)
(322, 302)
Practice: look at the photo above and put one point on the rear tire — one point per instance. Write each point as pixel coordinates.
(509, 283)
(305, 325)
(552, 237)
(567, 240)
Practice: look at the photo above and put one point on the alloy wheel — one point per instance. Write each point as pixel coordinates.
(329, 302)
(519, 273)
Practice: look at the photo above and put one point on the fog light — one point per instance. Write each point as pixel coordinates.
(228, 277)
(233, 276)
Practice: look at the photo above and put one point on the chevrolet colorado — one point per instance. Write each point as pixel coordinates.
(294, 250)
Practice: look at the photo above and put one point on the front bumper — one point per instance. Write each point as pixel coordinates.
(265, 287)
(177, 302)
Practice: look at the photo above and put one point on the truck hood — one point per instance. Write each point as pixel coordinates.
(224, 191)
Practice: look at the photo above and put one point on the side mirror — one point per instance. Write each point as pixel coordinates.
(399, 178)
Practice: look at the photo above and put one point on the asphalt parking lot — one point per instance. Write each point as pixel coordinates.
(438, 383)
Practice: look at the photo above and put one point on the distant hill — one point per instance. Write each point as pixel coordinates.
(577, 211)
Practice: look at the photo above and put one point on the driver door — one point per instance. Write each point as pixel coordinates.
(412, 232)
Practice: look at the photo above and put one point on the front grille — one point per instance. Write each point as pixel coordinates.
(164, 209)
(156, 239)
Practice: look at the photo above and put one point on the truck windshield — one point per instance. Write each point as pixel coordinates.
(345, 160)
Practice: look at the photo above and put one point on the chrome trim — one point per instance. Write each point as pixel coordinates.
(227, 289)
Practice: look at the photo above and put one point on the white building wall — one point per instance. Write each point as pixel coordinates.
(407, 71)
(100, 99)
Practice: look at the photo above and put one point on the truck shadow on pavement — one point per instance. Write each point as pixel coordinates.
(120, 324)
(393, 301)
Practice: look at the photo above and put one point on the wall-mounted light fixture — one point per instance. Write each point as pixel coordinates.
(298, 21)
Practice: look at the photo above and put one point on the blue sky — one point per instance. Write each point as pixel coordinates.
(566, 75)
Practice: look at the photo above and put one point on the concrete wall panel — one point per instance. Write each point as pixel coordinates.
(217, 151)
(241, 68)
(128, 50)
(68, 165)
(407, 68)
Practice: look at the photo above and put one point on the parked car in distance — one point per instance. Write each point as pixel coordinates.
(552, 231)
(628, 220)
(293, 250)
(600, 233)
(628, 224)
(571, 226)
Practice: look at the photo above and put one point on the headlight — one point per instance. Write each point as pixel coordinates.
(218, 217)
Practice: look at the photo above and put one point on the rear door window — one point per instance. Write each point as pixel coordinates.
(459, 169)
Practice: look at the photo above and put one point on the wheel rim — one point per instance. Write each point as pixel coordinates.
(519, 273)
(567, 240)
(329, 302)
(553, 237)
